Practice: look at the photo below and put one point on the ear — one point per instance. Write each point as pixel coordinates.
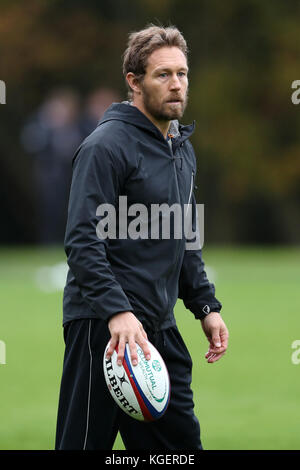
(133, 83)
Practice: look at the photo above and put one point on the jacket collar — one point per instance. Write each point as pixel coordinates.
(126, 112)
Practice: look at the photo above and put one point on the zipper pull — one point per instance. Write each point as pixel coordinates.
(191, 187)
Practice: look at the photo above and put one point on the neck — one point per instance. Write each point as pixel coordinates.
(163, 126)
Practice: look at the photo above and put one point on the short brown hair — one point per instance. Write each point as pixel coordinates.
(142, 43)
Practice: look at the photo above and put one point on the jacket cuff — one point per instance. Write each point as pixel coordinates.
(110, 304)
(206, 310)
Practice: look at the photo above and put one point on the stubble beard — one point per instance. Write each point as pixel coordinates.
(164, 111)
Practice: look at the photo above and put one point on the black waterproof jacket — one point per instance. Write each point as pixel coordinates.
(127, 155)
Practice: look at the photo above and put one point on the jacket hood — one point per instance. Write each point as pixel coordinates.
(126, 112)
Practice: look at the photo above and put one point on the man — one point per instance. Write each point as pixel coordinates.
(124, 288)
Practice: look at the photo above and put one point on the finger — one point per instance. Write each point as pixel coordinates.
(112, 346)
(218, 349)
(144, 334)
(121, 350)
(214, 357)
(224, 339)
(142, 330)
(209, 357)
(143, 343)
(216, 340)
(133, 352)
(211, 352)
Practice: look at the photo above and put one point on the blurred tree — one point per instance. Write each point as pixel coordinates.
(243, 58)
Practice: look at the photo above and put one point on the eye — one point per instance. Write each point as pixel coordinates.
(181, 74)
(163, 74)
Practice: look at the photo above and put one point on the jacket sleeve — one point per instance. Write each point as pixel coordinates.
(97, 177)
(197, 293)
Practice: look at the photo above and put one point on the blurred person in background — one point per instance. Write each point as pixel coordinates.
(52, 135)
(95, 105)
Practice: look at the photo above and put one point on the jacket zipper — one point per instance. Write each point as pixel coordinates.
(178, 192)
(179, 198)
(191, 190)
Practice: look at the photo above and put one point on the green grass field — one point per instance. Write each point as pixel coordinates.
(247, 400)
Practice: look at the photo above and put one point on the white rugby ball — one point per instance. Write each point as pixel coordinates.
(142, 391)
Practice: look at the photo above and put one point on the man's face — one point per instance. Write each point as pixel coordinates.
(164, 86)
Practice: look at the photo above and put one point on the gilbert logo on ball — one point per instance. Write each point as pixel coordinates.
(142, 391)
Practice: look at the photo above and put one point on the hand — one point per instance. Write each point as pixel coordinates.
(217, 335)
(125, 328)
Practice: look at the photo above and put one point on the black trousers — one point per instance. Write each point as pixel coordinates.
(88, 418)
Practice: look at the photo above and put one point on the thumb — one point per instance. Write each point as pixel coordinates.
(216, 339)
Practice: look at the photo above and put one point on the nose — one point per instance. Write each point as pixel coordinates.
(175, 83)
